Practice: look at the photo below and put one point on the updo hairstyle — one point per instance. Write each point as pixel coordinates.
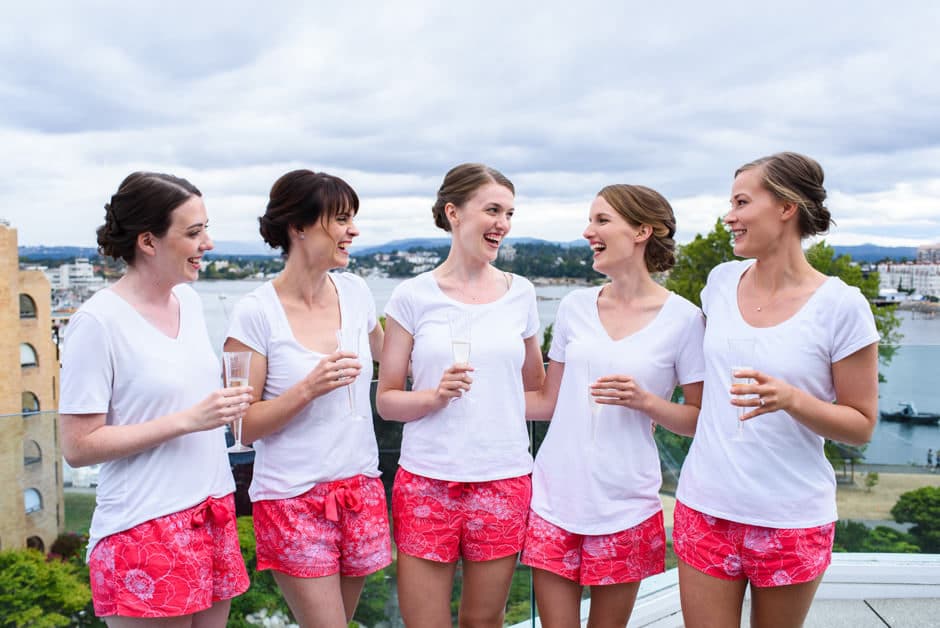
(460, 183)
(640, 205)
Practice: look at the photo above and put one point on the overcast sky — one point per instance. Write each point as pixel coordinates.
(563, 98)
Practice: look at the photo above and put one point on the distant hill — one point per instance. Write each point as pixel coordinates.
(231, 248)
(875, 253)
(56, 252)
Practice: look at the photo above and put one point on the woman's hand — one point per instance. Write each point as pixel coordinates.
(334, 371)
(454, 381)
(221, 407)
(620, 390)
(765, 394)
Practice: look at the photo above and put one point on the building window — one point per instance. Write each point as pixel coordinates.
(30, 402)
(27, 306)
(32, 453)
(34, 542)
(32, 500)
(28, 355)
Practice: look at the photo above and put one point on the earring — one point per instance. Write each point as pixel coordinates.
(302, 236)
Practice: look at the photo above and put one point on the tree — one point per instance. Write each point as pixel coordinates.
(922, 508)
(263, 592)
(39, 592)
(823, 258)
(854, 536)
(696, 259)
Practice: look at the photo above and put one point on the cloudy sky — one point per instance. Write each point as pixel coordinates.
(563, 97)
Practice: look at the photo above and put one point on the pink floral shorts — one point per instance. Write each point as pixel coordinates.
(178, 564)
(443, 521)
(335, 527)
(767, 557)
(626, 556)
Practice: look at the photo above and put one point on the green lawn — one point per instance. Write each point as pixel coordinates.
(78, 509)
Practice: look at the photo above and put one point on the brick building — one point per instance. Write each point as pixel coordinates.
(31, 500)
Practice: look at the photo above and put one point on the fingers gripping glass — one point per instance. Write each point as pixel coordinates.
(348, 339)
(235, 365)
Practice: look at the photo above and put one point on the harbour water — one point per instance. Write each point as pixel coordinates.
(912, 376)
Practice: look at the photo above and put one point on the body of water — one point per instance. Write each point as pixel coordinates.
(912, 376)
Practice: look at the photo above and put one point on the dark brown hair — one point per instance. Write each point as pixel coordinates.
(459, 185)
(798, 179)
(300, 198)
(640, 205)
(143, 203)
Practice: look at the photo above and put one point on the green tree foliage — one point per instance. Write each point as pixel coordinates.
(922, 508)
(38, 592)
(696, 259)
(823, 258)
(853, 536)
(374, 598)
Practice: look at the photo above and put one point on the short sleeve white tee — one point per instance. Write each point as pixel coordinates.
(607, 479)
(322, 443)
(484, 439)
(116, 363)
(778, 475)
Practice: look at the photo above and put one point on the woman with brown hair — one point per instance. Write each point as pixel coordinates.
(467, 331)
(618, 352)
(141, 393)
(320, 515)
(793, 355)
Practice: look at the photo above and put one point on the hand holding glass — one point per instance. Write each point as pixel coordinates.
(741, 351)
(596, 371)
(235, 365)
(347, 339)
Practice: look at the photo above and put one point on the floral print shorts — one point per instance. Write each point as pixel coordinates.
(626, 556)
(178, 564)
(767, 557)
(335, 527)
(442, 521)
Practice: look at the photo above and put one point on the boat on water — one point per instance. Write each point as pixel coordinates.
(909, 414)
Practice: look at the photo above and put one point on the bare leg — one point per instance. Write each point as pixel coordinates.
(558, 599)
(351, 589)
(216, 616)
(424, 590)
(782, 607)
(612, 604)
(485, 592)
(315, 602)
(709, 602)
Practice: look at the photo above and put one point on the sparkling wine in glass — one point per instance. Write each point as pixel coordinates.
(596, 370)
(741, 351)
(460, 323)
(348, 339)
(235, 366)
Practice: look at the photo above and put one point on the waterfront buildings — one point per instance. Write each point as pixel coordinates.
(920, 278)
(31, 500)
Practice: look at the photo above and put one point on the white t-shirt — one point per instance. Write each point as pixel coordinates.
(777, 476)
(322, 443)
(609, 481)
(484, 439)
(116, 363)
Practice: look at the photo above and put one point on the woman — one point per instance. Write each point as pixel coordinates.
(463, 486)
(140, 394)
(596, 515)
(320, 515)
(757, 505)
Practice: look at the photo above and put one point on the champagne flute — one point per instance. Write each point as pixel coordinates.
(347, 339)
(596, 370)
(741, 351)
(235, 366)
(460, 323)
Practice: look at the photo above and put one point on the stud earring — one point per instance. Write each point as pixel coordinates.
(302, 236)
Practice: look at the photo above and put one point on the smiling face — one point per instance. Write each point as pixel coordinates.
(616, 243)
(179, 251)
(480, 224)
(755, 219)
(329, 239)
